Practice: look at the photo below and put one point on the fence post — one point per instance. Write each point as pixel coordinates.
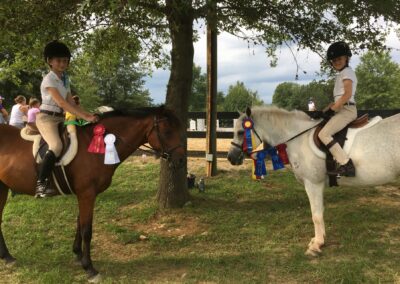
(211, 151)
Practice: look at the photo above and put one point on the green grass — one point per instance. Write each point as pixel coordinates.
(238, 231)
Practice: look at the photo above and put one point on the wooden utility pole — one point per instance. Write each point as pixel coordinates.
(211, 135)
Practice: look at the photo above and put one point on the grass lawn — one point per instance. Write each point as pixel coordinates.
(238, 231)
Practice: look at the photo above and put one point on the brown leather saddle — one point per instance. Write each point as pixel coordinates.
(340, 137)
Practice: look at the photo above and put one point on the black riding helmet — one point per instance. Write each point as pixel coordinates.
(337, 49)
(56, 49)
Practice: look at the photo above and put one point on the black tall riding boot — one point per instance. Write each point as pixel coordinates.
(42, 186)
(347, 170)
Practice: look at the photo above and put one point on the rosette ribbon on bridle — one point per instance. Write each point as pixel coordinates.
(248, 135)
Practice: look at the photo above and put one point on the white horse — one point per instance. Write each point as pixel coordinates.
(375, 152)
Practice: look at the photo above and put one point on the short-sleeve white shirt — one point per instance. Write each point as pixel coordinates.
(52, 80)
(338, 91)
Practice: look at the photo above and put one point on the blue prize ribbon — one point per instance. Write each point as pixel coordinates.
(260, 169)
(276, 160)
(249, 144)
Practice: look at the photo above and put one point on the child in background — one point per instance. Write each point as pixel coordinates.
(34, 105)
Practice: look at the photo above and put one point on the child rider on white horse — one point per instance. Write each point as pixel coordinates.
(343, 110)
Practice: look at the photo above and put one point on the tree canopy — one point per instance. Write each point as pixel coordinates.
(291, 96)
(378, 82)
(239, 97)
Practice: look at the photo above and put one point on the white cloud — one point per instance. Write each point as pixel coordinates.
(238, 62)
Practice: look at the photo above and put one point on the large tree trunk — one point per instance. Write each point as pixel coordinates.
(173, 190)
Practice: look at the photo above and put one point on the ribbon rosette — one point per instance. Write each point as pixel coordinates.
(97, 143)
(247, 140)
(111, 156)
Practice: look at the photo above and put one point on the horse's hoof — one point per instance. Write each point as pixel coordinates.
(95, 279)
(10, 261)
(312, 253)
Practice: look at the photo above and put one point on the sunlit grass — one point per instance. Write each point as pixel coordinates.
(238, 231)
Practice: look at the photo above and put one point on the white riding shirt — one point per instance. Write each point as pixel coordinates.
(52, 80)
(338, 91)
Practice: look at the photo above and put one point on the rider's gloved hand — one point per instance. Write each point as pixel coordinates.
(317, 114)
(328, 114)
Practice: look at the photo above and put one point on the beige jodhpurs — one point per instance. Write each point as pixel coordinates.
(343, 117)
(48, 128)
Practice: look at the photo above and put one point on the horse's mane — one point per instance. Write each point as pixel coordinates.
(278, 116)
(143, 112)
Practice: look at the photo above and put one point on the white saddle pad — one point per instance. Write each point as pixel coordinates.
(68, 156)
(351, 134)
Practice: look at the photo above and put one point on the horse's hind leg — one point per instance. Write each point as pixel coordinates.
(4, 253)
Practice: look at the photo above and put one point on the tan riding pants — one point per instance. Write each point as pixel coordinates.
(48, 128)
(343, 117)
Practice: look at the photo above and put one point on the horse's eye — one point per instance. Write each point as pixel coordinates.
(240, 132)
(168, 133)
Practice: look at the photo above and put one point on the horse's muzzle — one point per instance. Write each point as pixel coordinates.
(235, 156)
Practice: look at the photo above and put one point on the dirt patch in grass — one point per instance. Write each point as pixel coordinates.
(173, 225)
(110, 247)
(389, 195)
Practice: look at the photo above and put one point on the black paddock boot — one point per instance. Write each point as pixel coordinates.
(346, 170)
(42, 185)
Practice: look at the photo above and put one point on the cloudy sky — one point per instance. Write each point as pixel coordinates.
(237, 62)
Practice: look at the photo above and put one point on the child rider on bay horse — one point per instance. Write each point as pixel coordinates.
(344, 110)
(56, 98)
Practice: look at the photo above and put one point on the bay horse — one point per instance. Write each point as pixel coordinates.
(375, 152)
(87, 173)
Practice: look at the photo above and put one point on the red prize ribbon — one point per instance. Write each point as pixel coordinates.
(97, 145)
(282, 153)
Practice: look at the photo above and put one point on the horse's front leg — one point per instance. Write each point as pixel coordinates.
(86, 205)
(315, 196)
(77, 247)
(4, 253)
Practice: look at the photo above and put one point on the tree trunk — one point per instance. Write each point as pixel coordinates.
(173, 191)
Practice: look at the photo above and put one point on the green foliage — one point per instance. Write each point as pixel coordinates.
(198, 97)
(239, 97)
(106, 71)
(378, 82)
(295, 96)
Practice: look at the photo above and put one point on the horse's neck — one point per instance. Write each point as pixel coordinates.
(130, 133)
(279, 130)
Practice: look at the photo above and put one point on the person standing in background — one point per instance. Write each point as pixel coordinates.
(3, 112)
(18, 111)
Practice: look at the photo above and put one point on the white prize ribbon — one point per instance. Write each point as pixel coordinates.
(111, 155)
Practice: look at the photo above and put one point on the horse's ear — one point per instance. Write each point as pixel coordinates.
(239, 112)
(248, 111)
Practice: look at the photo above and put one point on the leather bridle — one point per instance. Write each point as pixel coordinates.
(164, 153)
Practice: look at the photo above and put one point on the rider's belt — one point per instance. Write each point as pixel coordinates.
(350, 104)
(52, 113)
